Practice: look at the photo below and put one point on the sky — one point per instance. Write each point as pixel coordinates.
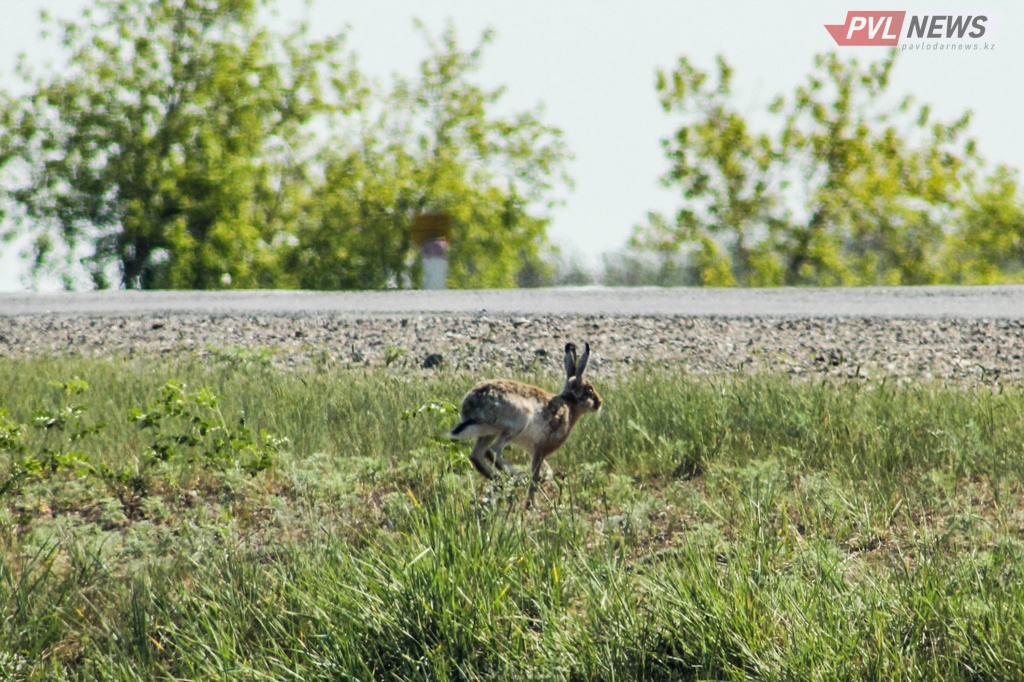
(592, 66)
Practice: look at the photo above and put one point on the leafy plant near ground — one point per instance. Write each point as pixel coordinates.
(190, 424)
(61, 431)
(248, 358)
(728, 527)
(183, 426)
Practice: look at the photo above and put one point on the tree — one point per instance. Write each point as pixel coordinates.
(723, 172)
(434, 143)
(849, 190)
(187, 146)
(165, 148)
(988, 247)
(881, 183)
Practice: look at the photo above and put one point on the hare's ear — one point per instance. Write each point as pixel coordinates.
(582, 364)
(570, 360)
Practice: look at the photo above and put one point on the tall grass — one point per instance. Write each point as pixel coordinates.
(728, 527)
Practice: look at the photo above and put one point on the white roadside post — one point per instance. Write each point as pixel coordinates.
(430, 233)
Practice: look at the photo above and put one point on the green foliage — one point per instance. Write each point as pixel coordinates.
(989, 248)
(184, 145)
(445, 416)
(432, 144)
(165, 146)
(190, 426)
(186, 427)
(848, 191)
(243, 358)
(58, 447)
(394, 353)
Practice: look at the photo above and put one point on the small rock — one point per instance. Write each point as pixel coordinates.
(832, 357)
(432, 361)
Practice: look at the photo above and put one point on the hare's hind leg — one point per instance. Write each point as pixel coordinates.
(481, 459)
(499, 460)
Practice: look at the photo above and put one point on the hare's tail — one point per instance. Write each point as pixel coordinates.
(471, 429)
(460, 431)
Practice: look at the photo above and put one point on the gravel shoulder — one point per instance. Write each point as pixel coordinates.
(965, 350)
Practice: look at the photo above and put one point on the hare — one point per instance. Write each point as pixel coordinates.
(498, 412)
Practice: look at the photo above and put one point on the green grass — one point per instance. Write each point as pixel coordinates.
(728, 527)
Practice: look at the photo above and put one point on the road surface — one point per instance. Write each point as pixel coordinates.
(980, 302)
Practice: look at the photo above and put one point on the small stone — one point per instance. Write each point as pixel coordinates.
(432, 361)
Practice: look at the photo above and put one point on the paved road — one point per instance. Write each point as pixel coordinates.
(1005, 302)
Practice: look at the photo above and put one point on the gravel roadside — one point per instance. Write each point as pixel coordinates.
(970, 351)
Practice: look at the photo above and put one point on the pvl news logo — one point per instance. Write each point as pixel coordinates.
(973, 32)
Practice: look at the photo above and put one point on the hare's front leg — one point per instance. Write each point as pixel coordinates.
(535, 468)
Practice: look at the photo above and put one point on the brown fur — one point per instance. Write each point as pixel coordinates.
(499, 412)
